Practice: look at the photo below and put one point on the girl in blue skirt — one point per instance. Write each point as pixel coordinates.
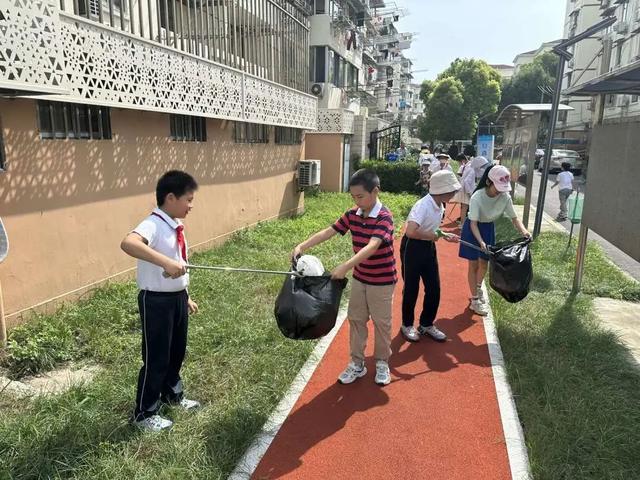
(490, 201)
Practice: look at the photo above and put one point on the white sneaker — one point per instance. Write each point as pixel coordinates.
(155, 423)
(352, 373)
(480, 294)
(410, 333)
(187, 404)
(479, 307)
(434, 332)
(383, 375)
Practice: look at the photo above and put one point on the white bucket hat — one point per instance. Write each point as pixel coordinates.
(442, 182)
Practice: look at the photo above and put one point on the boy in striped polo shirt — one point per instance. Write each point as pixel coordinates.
(374, 275)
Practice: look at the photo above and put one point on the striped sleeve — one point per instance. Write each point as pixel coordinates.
(383, 229)
(342, 224)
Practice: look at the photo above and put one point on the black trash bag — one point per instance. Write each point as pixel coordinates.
(510, 269)
(307, 307)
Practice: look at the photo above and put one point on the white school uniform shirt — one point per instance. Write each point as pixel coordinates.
(565, 181)
(468, 180)
(160, 233)
(427, 214)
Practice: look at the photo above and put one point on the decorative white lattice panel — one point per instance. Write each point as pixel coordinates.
(107, 67)
(30, 54)
(335, 120)
(267, 102)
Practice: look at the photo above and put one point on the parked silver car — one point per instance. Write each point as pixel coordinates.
(558, 157)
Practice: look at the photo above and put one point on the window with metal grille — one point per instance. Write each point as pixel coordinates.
(185, 128)
(251, 133)
(58, 120)
(288, 136)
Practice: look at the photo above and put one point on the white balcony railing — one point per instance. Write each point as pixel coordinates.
(97, 64)
(335, 120)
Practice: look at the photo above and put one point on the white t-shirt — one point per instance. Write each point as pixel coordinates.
(565, 181)
(427, 214)
(160, 234)
(468, 180)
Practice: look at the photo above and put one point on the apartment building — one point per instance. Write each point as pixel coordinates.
(360, 78)
(99, 97)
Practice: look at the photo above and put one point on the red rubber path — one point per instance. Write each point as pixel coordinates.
(438, 419)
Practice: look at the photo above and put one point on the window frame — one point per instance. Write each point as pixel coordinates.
(73, 121)
(187, 128)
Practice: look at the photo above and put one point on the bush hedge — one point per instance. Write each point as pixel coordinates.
(395, 177)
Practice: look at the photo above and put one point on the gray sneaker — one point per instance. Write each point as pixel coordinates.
(383, 375)
(155, 423)
(479, 307)
(352, 373)
(433, 332)
(410, 333)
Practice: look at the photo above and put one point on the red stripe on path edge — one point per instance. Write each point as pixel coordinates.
(438, 419)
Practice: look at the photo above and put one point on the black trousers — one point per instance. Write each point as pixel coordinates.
(419, 262)
(165, 319)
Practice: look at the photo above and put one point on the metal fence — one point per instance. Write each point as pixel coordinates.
(266, 38)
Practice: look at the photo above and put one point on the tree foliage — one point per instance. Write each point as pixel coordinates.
(481, 84)
(447, 117)
(523, 87)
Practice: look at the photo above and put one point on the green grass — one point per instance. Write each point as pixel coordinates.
(238, 365)
(576, 390)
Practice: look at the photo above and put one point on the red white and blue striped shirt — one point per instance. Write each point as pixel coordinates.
(380, 268)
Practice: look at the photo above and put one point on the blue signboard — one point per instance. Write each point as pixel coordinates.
(485, 146)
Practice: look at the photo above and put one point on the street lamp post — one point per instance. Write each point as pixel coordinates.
(564, 56)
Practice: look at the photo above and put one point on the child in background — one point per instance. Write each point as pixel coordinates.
(565, 180)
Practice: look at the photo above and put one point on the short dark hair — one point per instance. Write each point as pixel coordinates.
(368, 179)
(566, 166)
(176, 182)
(461, 157)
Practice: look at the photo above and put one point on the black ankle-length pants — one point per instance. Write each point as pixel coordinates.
(165, 318)
(419, 262)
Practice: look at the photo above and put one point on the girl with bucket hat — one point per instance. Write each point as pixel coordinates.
(490, 201)
(419, 259)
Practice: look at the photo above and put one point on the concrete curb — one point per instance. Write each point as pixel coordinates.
(249, 462)
(513, 434)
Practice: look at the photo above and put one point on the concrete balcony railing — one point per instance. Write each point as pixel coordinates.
(83, 61)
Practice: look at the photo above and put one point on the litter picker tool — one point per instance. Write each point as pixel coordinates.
(237, 270)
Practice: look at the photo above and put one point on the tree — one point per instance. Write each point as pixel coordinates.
(523, 87)
(481, 85)
(426, 88)
(447, 117)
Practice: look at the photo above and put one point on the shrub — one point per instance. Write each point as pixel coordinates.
(395, 177)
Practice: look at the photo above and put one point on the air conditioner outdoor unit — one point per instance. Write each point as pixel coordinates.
(317, 89)
(621, 28)
(308, 173)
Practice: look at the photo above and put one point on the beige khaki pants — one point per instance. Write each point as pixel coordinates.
(373, 301)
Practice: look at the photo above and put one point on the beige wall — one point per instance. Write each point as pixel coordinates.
(66, 204)
(328, 148)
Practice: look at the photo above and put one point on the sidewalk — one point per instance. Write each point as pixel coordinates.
(438, 419)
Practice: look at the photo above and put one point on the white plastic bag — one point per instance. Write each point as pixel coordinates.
(309, 266)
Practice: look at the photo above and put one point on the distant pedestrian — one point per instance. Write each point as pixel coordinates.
(565, 181)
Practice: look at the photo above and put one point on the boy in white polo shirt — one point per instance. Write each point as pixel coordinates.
(161, 249)
(419, 258)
